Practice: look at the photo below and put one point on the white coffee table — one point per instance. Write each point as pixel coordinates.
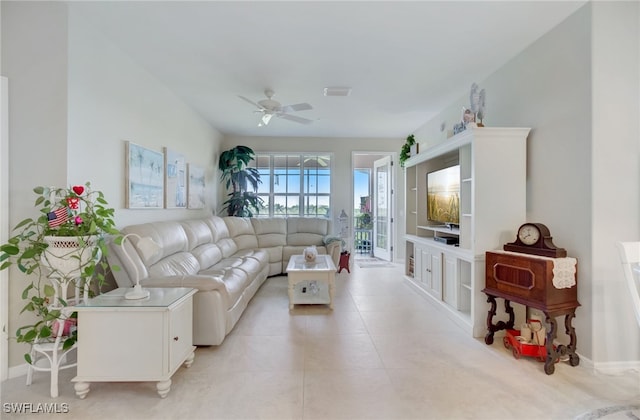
(323, 271)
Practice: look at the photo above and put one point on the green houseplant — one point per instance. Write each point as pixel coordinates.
(64, 244)
(241, 181)
(405, 151)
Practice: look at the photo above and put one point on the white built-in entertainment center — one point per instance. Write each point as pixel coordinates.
(492, 205)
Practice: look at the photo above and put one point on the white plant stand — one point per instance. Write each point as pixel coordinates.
(49, 355)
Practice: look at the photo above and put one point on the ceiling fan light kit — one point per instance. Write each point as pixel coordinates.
(266, 117)
(270, 107)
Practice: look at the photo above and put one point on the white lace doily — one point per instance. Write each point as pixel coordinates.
(564, 272)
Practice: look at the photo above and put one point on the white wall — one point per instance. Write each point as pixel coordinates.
(112, 100)
(74, 100)
(615, 176)
(34, 59)
(578, 155)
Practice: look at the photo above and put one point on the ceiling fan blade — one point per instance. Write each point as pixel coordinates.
(295, 118)
(250, 101)
(296, 107)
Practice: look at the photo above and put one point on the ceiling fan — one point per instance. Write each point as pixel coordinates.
(269, 108)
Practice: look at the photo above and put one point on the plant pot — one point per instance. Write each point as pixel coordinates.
(66, 256)
(414, 149)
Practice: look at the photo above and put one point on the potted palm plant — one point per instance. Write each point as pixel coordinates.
(241, 180)
(64, 244)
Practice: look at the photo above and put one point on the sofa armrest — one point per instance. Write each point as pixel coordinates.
(330, 239)
(333, 250)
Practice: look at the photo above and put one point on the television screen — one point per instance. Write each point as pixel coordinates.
(443, 195)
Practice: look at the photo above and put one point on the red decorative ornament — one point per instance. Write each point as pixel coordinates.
(73, 202)
(78, 189)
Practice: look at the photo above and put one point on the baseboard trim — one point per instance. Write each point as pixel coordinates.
(17, 371)
(617, 368)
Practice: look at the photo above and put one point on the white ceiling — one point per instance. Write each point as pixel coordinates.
(405, 61)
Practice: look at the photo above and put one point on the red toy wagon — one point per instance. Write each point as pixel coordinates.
(520, 348)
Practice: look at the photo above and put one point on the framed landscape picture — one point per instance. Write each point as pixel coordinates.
(196, 187)
(175, 185)
(144, 170)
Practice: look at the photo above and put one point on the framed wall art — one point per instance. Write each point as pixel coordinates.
(175, 180)
(196, 186)
(144, 177)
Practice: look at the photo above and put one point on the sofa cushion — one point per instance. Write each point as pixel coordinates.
(261, 255)
(252, 267)
(198, 232)
(270, 232)
(207, 255)
(170, 237)
(180, 263)
(218, 227)
(226, 263)
(303, 231)
(200, 242)
(236, 281)
(221, 236)
(241, 231)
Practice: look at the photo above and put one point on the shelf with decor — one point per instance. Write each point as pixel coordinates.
(486, 199)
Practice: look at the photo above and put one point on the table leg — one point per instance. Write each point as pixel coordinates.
(332, 289)
(291, 291)
(549, 364)
(189, 360)
(163, 388)
(555, 352)
(574, 359)
(82, 389)
(500, 325)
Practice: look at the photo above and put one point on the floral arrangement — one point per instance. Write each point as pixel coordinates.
(77, 212)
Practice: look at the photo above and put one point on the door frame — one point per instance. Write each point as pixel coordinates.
(4, 226)
(394, 189)
(388, 253)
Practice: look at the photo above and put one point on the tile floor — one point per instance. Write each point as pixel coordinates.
(385, 352)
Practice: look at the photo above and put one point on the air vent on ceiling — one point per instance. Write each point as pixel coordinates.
(337, 91)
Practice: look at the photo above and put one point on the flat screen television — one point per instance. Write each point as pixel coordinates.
(443, 196)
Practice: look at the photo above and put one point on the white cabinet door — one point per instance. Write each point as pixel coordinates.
(450, 280)
(431, 280)
(417, 264)
(425, 257)
(180, 334)
(435, 287)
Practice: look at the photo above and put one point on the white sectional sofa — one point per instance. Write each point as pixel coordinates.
(226, 258)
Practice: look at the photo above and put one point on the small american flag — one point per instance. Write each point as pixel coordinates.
(58, 217)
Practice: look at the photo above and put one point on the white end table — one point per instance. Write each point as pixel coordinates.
(122, 340)
(322, 270)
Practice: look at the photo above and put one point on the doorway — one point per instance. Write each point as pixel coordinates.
(372, 214)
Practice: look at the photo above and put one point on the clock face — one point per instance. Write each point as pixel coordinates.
(529, 234)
